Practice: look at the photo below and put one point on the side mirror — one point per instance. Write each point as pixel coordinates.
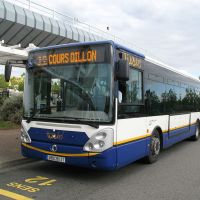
(122, 70)
(8, 69)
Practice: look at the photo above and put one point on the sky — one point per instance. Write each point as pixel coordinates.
(167, 30)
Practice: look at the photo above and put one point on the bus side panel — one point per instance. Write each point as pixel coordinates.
(106, 160)
(180, 134)
(179, 124)
(194, 117)
(132, 151)
(131, 140)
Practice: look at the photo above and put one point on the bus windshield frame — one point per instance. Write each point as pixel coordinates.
(76, 89)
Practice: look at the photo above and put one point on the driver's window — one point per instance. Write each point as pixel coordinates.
(131, 91)
(42, 92)
(130, 95)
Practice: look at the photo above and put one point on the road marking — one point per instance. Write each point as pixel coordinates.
(23, 187)
(13, 195)
(44, 181)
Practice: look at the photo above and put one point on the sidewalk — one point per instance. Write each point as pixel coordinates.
(10, 147)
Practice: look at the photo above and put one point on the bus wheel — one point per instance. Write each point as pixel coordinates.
(196, 136)
(155, 147)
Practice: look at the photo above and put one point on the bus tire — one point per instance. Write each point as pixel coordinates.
(197, 133)
(154, 148)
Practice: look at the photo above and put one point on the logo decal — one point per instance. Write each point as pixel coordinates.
(54, 148)
(54, 136)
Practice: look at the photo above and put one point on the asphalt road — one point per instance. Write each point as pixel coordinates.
(176, 176)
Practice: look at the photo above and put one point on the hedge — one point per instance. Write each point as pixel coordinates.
(12, 109)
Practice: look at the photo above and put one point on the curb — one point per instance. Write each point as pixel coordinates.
(18, 162)
(9, 129)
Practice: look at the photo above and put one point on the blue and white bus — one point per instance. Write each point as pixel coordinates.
(101, 105)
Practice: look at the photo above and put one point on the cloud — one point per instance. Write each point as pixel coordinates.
(15, 71)
(167, 30)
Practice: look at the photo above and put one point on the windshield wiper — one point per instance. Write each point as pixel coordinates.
(35, 111)
(33, 114)
(92, 124)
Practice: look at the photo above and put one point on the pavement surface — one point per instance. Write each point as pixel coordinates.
(9, 146)
(176, 176)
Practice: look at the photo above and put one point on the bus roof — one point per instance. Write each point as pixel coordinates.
(173, 69)
(90, 43)
(159, 63)
(116, 45)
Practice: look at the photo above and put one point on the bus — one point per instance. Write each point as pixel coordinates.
(103, 106)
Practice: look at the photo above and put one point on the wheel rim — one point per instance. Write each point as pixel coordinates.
(155, 146)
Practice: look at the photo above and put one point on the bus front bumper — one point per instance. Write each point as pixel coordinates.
(71, 155)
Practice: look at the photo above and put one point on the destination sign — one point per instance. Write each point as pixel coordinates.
(133, 61)
(71, 55)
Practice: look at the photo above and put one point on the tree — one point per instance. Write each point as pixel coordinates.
(55, 87)
(17, 83)
(3, 83)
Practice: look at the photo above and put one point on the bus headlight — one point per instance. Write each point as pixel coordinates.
(25, 136)
(101, 141)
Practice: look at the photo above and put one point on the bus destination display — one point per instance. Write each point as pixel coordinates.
(133, 61)
(65, 56)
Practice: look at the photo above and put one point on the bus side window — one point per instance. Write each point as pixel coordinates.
(130, 93)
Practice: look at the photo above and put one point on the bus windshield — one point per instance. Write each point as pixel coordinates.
(74, 92)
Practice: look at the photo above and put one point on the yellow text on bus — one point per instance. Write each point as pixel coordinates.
(72, 57)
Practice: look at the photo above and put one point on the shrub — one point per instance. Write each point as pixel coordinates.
(12, 109)
(2, 99)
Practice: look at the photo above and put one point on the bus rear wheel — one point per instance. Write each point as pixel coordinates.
(197, 133)
(155, 147)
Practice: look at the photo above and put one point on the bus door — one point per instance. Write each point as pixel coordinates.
(132, 123)
(179, 124)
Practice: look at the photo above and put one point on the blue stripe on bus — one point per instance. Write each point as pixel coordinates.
(113, 158)
(76, 161)
(178, 135)
(110, 159)
(106, 160)
(130, 152)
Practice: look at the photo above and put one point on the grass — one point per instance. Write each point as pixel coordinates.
(8, 125)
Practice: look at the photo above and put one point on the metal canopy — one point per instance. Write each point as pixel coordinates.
(26, 25)
(12, 53)
(24, 22)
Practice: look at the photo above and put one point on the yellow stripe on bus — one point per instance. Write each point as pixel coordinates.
(59, 154)
(94, 154)
(178, 127)
(148, 134)
(13, 195)
(132, 139)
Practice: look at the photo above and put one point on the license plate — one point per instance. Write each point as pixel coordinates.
(56, 158)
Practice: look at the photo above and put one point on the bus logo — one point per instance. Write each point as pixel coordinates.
(54, 148)
(54, 136)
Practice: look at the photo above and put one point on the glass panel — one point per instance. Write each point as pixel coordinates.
(154, 97)
(131, 92)
(78, 91)
(132, 89)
